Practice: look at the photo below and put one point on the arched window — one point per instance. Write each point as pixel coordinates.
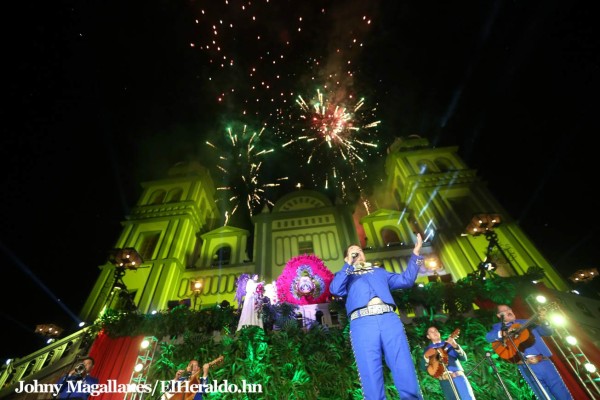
(148, 245)
(158, 197)
(444, 164)
(426, 167)
(390, 237)
(174, 195)
(222, 256)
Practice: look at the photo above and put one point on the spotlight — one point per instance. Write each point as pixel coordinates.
(196, 286)
(145, 343)
(572, 340)
(558, 320)
(139, 367)
(541, 299)
(590, 368)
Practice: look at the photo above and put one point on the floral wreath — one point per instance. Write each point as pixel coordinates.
(304, 280)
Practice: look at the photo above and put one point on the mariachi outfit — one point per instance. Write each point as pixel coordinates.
(179, 394)
(376, 328)
(455, 370)
(86, 382)
(538, 359)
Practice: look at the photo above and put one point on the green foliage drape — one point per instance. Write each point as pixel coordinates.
(291, 362)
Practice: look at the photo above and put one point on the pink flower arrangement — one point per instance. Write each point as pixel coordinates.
(304, 280)
(260, 288)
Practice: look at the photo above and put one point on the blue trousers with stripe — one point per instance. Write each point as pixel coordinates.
(375, 337)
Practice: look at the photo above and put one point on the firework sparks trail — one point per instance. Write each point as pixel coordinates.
(335, 137)
(284, 51)
(258, 80)
(241, 172)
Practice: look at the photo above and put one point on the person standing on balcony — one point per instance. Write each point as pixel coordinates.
(251, 308)
(375, 329)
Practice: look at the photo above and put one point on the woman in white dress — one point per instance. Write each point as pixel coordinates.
(249, 315)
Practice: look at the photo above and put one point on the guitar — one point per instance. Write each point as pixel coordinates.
(193, 379)
(521, 337)
(438, 357)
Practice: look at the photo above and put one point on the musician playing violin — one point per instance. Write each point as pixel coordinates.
(192, 375)
(535, 353)
(442, 360)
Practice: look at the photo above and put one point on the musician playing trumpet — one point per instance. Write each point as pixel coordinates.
(442, 361)
(81, 373)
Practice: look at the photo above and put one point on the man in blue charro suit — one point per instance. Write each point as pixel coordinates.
(532, 355)
(375, 329)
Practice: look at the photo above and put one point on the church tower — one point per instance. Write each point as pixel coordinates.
(446, 200)
(428, 190)
(165, 228)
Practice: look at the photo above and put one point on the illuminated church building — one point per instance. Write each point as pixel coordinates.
(175, 229)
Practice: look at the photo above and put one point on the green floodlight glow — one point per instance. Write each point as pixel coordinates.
(541, 299)
(590, 368)
(572, 340)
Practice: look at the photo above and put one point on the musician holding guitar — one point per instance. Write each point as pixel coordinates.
(520, 342)
(190, 378)
(442, 361)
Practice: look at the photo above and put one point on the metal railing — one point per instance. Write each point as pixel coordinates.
(42, 364)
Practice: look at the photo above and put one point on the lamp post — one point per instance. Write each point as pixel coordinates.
(584, 275)
(196, 285)
(484, 224)
(49, 330)
(433, 264)
(124, 259)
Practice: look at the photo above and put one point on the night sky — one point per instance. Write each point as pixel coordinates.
(105, 95)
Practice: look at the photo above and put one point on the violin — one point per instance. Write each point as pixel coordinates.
(438, 357)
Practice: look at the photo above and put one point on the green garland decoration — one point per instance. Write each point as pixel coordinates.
(317, 362)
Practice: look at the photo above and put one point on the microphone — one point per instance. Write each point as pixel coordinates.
(504, 327)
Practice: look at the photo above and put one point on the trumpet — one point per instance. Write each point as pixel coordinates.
(80, 369)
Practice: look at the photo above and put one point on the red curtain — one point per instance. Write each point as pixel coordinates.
(114, 360)
(522, 310)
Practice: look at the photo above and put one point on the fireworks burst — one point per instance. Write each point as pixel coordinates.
(336, 138)
(241, 172)
(257, 79)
